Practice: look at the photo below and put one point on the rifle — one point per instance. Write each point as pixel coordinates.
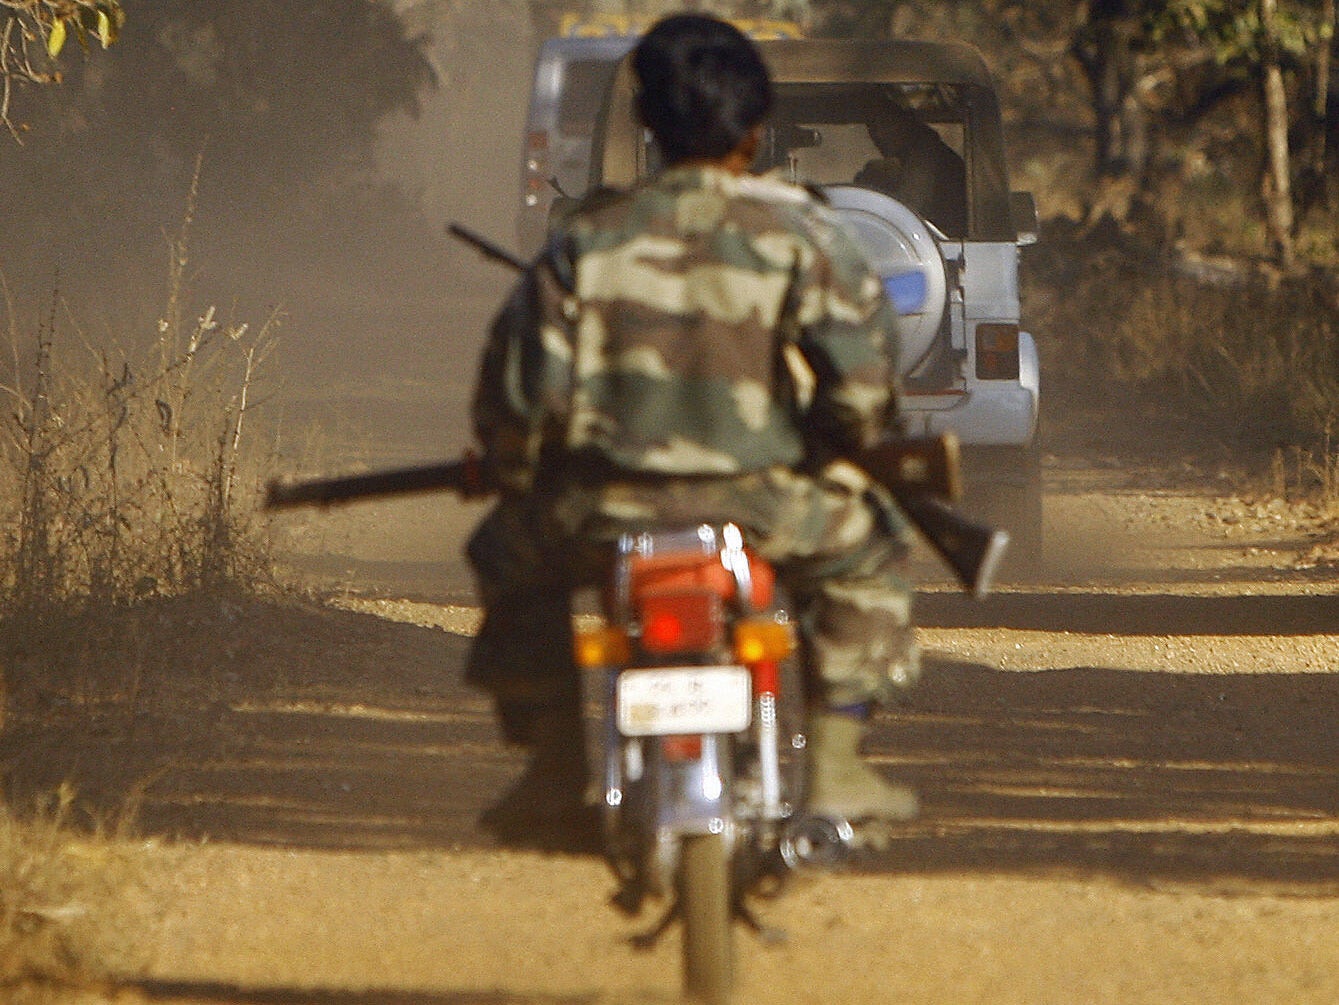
(920, 472)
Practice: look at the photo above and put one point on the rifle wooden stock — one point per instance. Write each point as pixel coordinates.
(919, 465)
(923, 474)
(972, 550)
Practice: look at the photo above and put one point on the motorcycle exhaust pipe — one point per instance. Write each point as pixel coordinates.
(814, 842)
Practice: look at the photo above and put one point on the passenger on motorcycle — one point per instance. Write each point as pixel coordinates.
(704, 347)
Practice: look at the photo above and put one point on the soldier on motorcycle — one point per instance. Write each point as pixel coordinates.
(704, 347)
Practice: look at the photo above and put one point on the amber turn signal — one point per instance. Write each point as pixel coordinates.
(757, 640)
(602, 647)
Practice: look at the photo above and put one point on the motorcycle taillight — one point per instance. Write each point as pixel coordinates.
(680, 622)
(677, 749)
(604, 646)
(759, 639)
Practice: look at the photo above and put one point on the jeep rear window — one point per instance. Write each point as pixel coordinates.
(585, 82)
(822, 134)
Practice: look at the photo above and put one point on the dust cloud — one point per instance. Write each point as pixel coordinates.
(416, 327)
(387, 359)
(459, 161)
(299, 162)
(400, 392)
(331, 216)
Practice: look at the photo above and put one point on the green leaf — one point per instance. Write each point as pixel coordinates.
(56, 40)
(115, 17)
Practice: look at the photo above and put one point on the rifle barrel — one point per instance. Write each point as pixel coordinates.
(485, 247)
(325, 491)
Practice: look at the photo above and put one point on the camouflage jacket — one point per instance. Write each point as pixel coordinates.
(701, 324)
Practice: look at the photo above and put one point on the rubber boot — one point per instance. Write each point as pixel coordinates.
(547, 806)
(841, 784)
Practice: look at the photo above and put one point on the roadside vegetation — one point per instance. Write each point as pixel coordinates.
(58, 887)
(129, 474)
(1229, 361)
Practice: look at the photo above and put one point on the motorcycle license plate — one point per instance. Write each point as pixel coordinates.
(668, 700)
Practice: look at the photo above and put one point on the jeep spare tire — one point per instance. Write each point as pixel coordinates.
(901, 249)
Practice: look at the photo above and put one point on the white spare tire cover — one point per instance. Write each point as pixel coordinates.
(897, 241)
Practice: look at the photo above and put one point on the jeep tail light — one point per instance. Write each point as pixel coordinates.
(536, 166)
(997, 352)
(680, 622)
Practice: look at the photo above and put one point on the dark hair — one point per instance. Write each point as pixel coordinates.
(702, 86)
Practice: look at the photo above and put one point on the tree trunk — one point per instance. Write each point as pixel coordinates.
(1277, 185)
(1104, 47)
(1320, 111)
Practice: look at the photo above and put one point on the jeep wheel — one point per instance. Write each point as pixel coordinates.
(897, 241)
(1004, 488)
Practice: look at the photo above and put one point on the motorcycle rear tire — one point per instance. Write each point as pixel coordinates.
(706, 905)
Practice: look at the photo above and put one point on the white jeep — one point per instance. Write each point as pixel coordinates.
(571, 78)
(905, 140)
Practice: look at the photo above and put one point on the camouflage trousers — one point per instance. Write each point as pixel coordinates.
(836, 541)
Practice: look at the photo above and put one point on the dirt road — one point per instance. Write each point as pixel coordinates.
(1129, 770)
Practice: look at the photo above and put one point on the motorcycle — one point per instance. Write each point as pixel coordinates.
(701, 741)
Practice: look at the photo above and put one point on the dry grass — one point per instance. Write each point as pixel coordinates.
(1257, 363)
(1310, 474)
(128, 472)
(58, 893)
(1232, 356)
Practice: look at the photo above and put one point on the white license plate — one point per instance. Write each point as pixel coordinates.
(667, 700)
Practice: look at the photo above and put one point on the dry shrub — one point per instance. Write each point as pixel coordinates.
(133, 476)
(129, 471)
(1246, 357)
(57, 890)
(1260, 365)
(126, 471)
(1310, 474)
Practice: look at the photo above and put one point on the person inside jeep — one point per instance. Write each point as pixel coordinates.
(918, 169)
(703, 347)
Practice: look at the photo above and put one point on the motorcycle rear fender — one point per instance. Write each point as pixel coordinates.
(695, 794)
(662, 800)
(692, 796)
